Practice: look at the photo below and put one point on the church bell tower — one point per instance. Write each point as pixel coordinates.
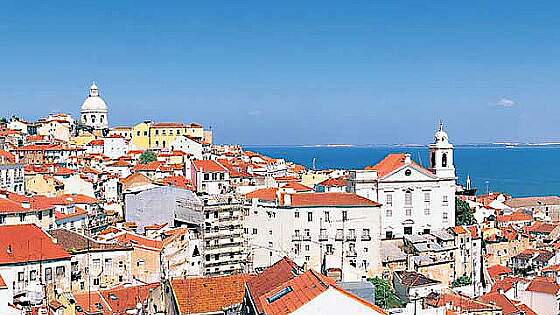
(441, 155)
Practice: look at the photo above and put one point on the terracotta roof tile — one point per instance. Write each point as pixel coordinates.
(26, 243)
(208, 294)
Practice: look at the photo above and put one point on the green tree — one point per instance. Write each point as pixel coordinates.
(385, 297)
(461, 281)
(463, 213)
(147, 157)
(3, 120)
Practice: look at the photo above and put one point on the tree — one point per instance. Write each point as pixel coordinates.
(147, 157)
(463, 213)
(461, 281)
(3, 120)
(385, 297)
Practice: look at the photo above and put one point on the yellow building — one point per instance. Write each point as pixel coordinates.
(83, 138)
(162, 135)
(148, 135)
(141, 135)
(125, 132)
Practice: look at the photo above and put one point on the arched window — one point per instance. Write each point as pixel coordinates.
(85, 118)
(433, 159)
(444, 160)
(101, 119)
(93, 119)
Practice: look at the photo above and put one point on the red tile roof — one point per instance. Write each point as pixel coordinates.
(280, 272)
(208, 294)
(178, 181)
(495, 298)
(514, 217)
(208, 166)
(268, 194)
(334, 182)
(305, 288)
(543, 286)
(2, 283)
(497, 270)
(8, 157)
(136, 240)
(456, 300)
(393, 162)
(330, 199)
(23, 243)
(297, 187)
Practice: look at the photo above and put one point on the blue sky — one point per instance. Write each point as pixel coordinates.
(293, 72)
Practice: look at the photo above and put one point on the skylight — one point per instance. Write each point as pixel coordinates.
(279, 294)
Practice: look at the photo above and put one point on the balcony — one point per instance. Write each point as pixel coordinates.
(323, 237)
(366, 237)
(339, 237)
(296, 238)
(351, 237)
(351, 253)
(307, 237)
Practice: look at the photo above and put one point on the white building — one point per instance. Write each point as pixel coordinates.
(337, 231)
(415, 200)
(188, 145)
(11, 176)
(31, 263)
(94, 112)
(210, 177)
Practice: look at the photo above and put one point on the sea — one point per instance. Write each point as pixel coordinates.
(515, 169)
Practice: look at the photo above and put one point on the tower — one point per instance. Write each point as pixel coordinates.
(441, 155)
(94, 111)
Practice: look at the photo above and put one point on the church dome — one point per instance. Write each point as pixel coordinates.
(94, 102)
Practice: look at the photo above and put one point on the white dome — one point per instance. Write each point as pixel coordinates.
(94, 102)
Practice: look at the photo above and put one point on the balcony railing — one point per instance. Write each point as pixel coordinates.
(323, 237)
(339, 237)
(366, 237)
(351, 253)
(307, 237)
(296, 238)
(351, 237)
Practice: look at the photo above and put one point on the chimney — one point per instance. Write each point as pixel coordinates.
(407, 159)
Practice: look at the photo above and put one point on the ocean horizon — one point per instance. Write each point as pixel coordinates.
(518, 169)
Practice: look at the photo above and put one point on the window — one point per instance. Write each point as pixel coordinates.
(389, 213)
(20, 276)
(426, 231)
(408, 172)
(40, 215)
(445, 216)
(306, 248)
(96, 281)
(426, 197)
(254, 231)
(445, 200)
(444, 160)
(96, 264)
(408, 198)
(296, 214)
(330, 249)
(408, 212)
(33, 275)
(427, 211)
(60, 271)
(108, 264)
(389, 199)
(309, 216)
(206, 176)
(365, 232)
(307, 232)
(433, 159)
(344, 215)
(327, 217)
(48, 274)
(21, 217)
(408, 230)
(140, 262)
(2, 219)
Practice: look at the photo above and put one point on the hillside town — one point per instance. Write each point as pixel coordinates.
(155, 218)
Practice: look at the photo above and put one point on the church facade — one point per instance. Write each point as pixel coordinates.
(415, 200)
(94, 112)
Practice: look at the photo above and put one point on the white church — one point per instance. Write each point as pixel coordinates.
(415, 200)
(94, 111)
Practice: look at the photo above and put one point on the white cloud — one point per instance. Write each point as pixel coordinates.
(254, 113)
(505, 102)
